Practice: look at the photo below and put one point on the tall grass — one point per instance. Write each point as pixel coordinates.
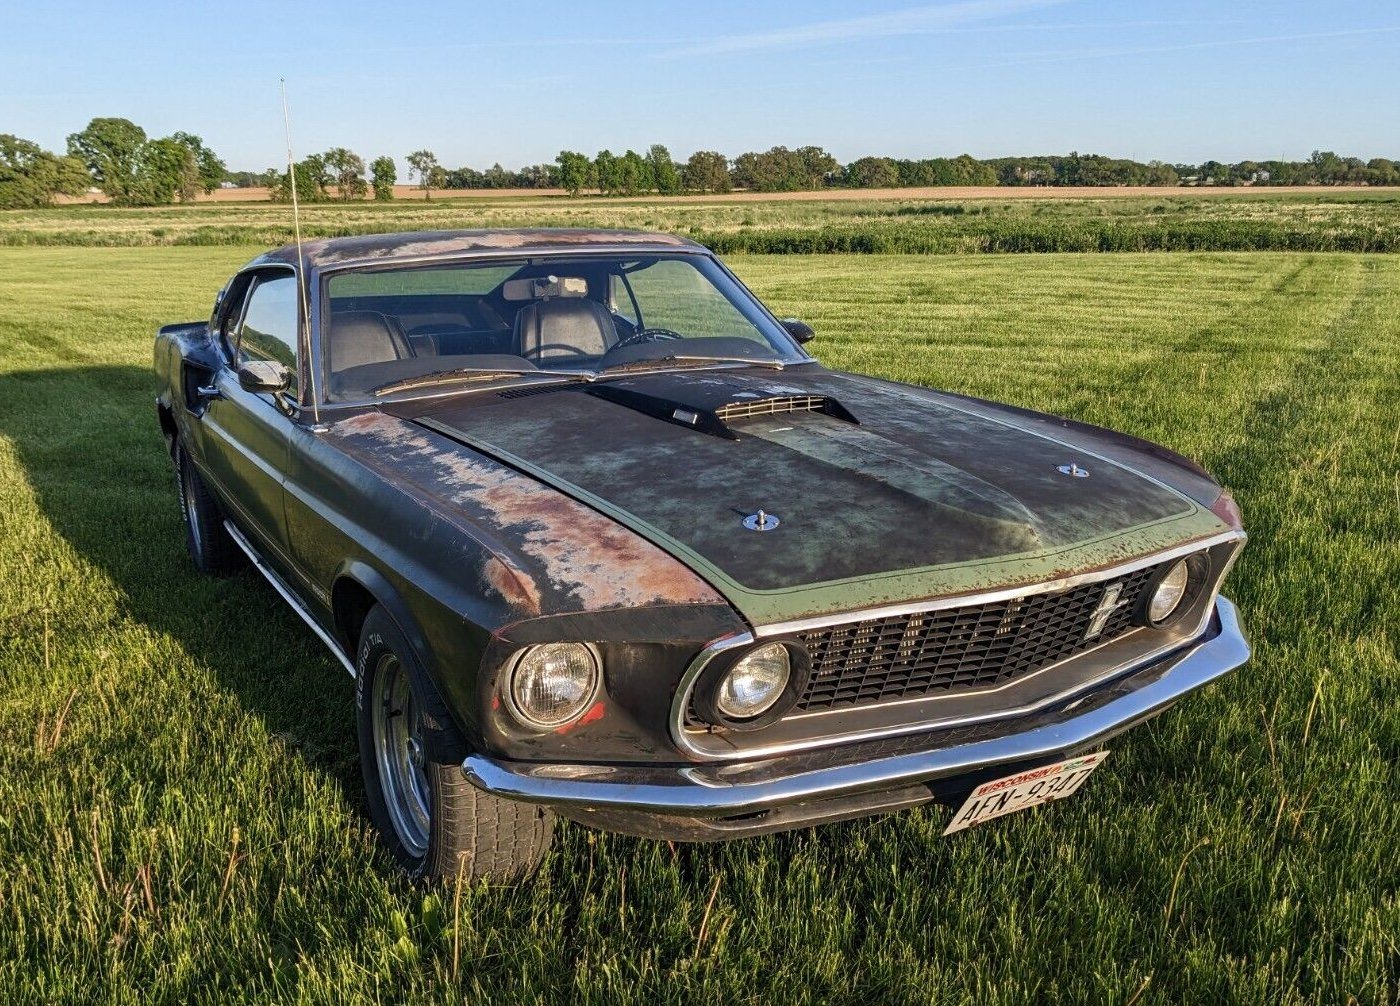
(1350, 222)
(181, 818)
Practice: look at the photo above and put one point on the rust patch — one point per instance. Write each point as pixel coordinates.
(595, 562)
(512, 584)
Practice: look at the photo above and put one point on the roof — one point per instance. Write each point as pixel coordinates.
(376, 248)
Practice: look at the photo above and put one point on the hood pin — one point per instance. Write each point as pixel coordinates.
(761, 521)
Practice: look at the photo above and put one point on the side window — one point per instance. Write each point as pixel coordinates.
(269, 329)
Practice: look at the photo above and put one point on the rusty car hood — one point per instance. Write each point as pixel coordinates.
(884, 493)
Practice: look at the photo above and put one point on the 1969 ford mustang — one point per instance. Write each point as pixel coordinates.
(597, 538)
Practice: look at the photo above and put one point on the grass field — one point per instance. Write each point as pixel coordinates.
(180, 806)
(1170, 220)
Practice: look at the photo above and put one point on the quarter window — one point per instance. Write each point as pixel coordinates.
(269, 329)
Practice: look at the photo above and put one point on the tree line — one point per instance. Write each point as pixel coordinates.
(116, 156)
(780, 169)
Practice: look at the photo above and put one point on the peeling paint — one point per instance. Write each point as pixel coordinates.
(587, 562)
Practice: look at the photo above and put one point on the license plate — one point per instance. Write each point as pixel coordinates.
(1024, 789)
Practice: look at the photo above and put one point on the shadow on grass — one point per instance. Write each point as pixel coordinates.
(91, 449)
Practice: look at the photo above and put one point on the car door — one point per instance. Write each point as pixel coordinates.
(247, 433)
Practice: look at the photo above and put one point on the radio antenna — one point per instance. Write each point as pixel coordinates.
(304, 322)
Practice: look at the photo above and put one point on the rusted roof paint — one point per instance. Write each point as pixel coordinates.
(550, 553)
(367, 249)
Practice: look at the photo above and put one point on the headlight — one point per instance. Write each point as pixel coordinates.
(1167, 595)
(755, 683)
(553, 684)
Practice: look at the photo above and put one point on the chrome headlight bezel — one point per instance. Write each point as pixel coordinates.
(517, 703)
(1197, 567)
(709, 705)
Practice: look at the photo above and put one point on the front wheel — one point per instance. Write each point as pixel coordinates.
(436, 824)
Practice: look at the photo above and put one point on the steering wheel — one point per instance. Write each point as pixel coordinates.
(538, 351)
(647, 335)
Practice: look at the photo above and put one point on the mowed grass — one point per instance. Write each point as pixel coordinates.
(181, 815)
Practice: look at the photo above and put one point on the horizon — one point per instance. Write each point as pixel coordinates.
(990, 78)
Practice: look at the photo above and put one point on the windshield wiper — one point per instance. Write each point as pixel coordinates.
(672, 360)
(463, 374)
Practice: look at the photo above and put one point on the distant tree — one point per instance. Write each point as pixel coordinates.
(497, 177)
(538, 176)
(605, 173)
(383, 175)
(575, 171)
(311, 182)
(464, 178)
(31, 176)
(664, 175)
(817, 166)
(347, 171)
(1382, 171)
(872, 173)
(775, 170)
(211, 168)
(165, 170)
(109, 148)
(706, 171)
(634, 174)
(1161, 174)
(424, 164)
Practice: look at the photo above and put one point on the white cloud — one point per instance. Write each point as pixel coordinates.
(913, 21)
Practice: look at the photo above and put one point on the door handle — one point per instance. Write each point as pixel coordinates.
(208, 391)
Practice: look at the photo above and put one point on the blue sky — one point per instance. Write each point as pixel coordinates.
(479, 83)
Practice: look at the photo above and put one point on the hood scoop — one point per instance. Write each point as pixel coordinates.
(748, 408)
(716, 420)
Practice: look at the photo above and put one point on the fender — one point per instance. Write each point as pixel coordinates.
(388, 597)
(442, 737)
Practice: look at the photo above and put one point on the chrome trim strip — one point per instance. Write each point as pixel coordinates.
(712, 790)
(1003, 594)
(682, 700)
(288, 596)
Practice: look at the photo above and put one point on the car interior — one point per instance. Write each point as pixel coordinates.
(524, 322)
(549, 316)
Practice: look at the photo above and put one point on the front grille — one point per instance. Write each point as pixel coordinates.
(771, 406)
(959, 649)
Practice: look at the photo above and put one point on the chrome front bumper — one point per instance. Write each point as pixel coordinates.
(724, 790)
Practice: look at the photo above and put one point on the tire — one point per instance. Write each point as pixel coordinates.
(436, 824)
(211, 548)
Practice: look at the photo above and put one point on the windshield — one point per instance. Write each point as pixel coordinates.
(397, 330)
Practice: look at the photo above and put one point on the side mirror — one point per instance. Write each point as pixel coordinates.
(799, 330)
(263, 376)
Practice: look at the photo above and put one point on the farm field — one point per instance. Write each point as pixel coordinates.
(181, 813)
(911, 221)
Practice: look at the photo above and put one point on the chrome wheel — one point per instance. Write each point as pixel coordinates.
(398, 751)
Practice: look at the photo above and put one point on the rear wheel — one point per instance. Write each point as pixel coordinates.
(436, 824)
(211, 547)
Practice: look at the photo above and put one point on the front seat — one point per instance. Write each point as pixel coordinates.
(563, 327)
(361, 337)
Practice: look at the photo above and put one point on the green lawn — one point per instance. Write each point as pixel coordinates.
(180, 805)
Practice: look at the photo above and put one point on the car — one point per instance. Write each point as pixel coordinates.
(598, 539)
